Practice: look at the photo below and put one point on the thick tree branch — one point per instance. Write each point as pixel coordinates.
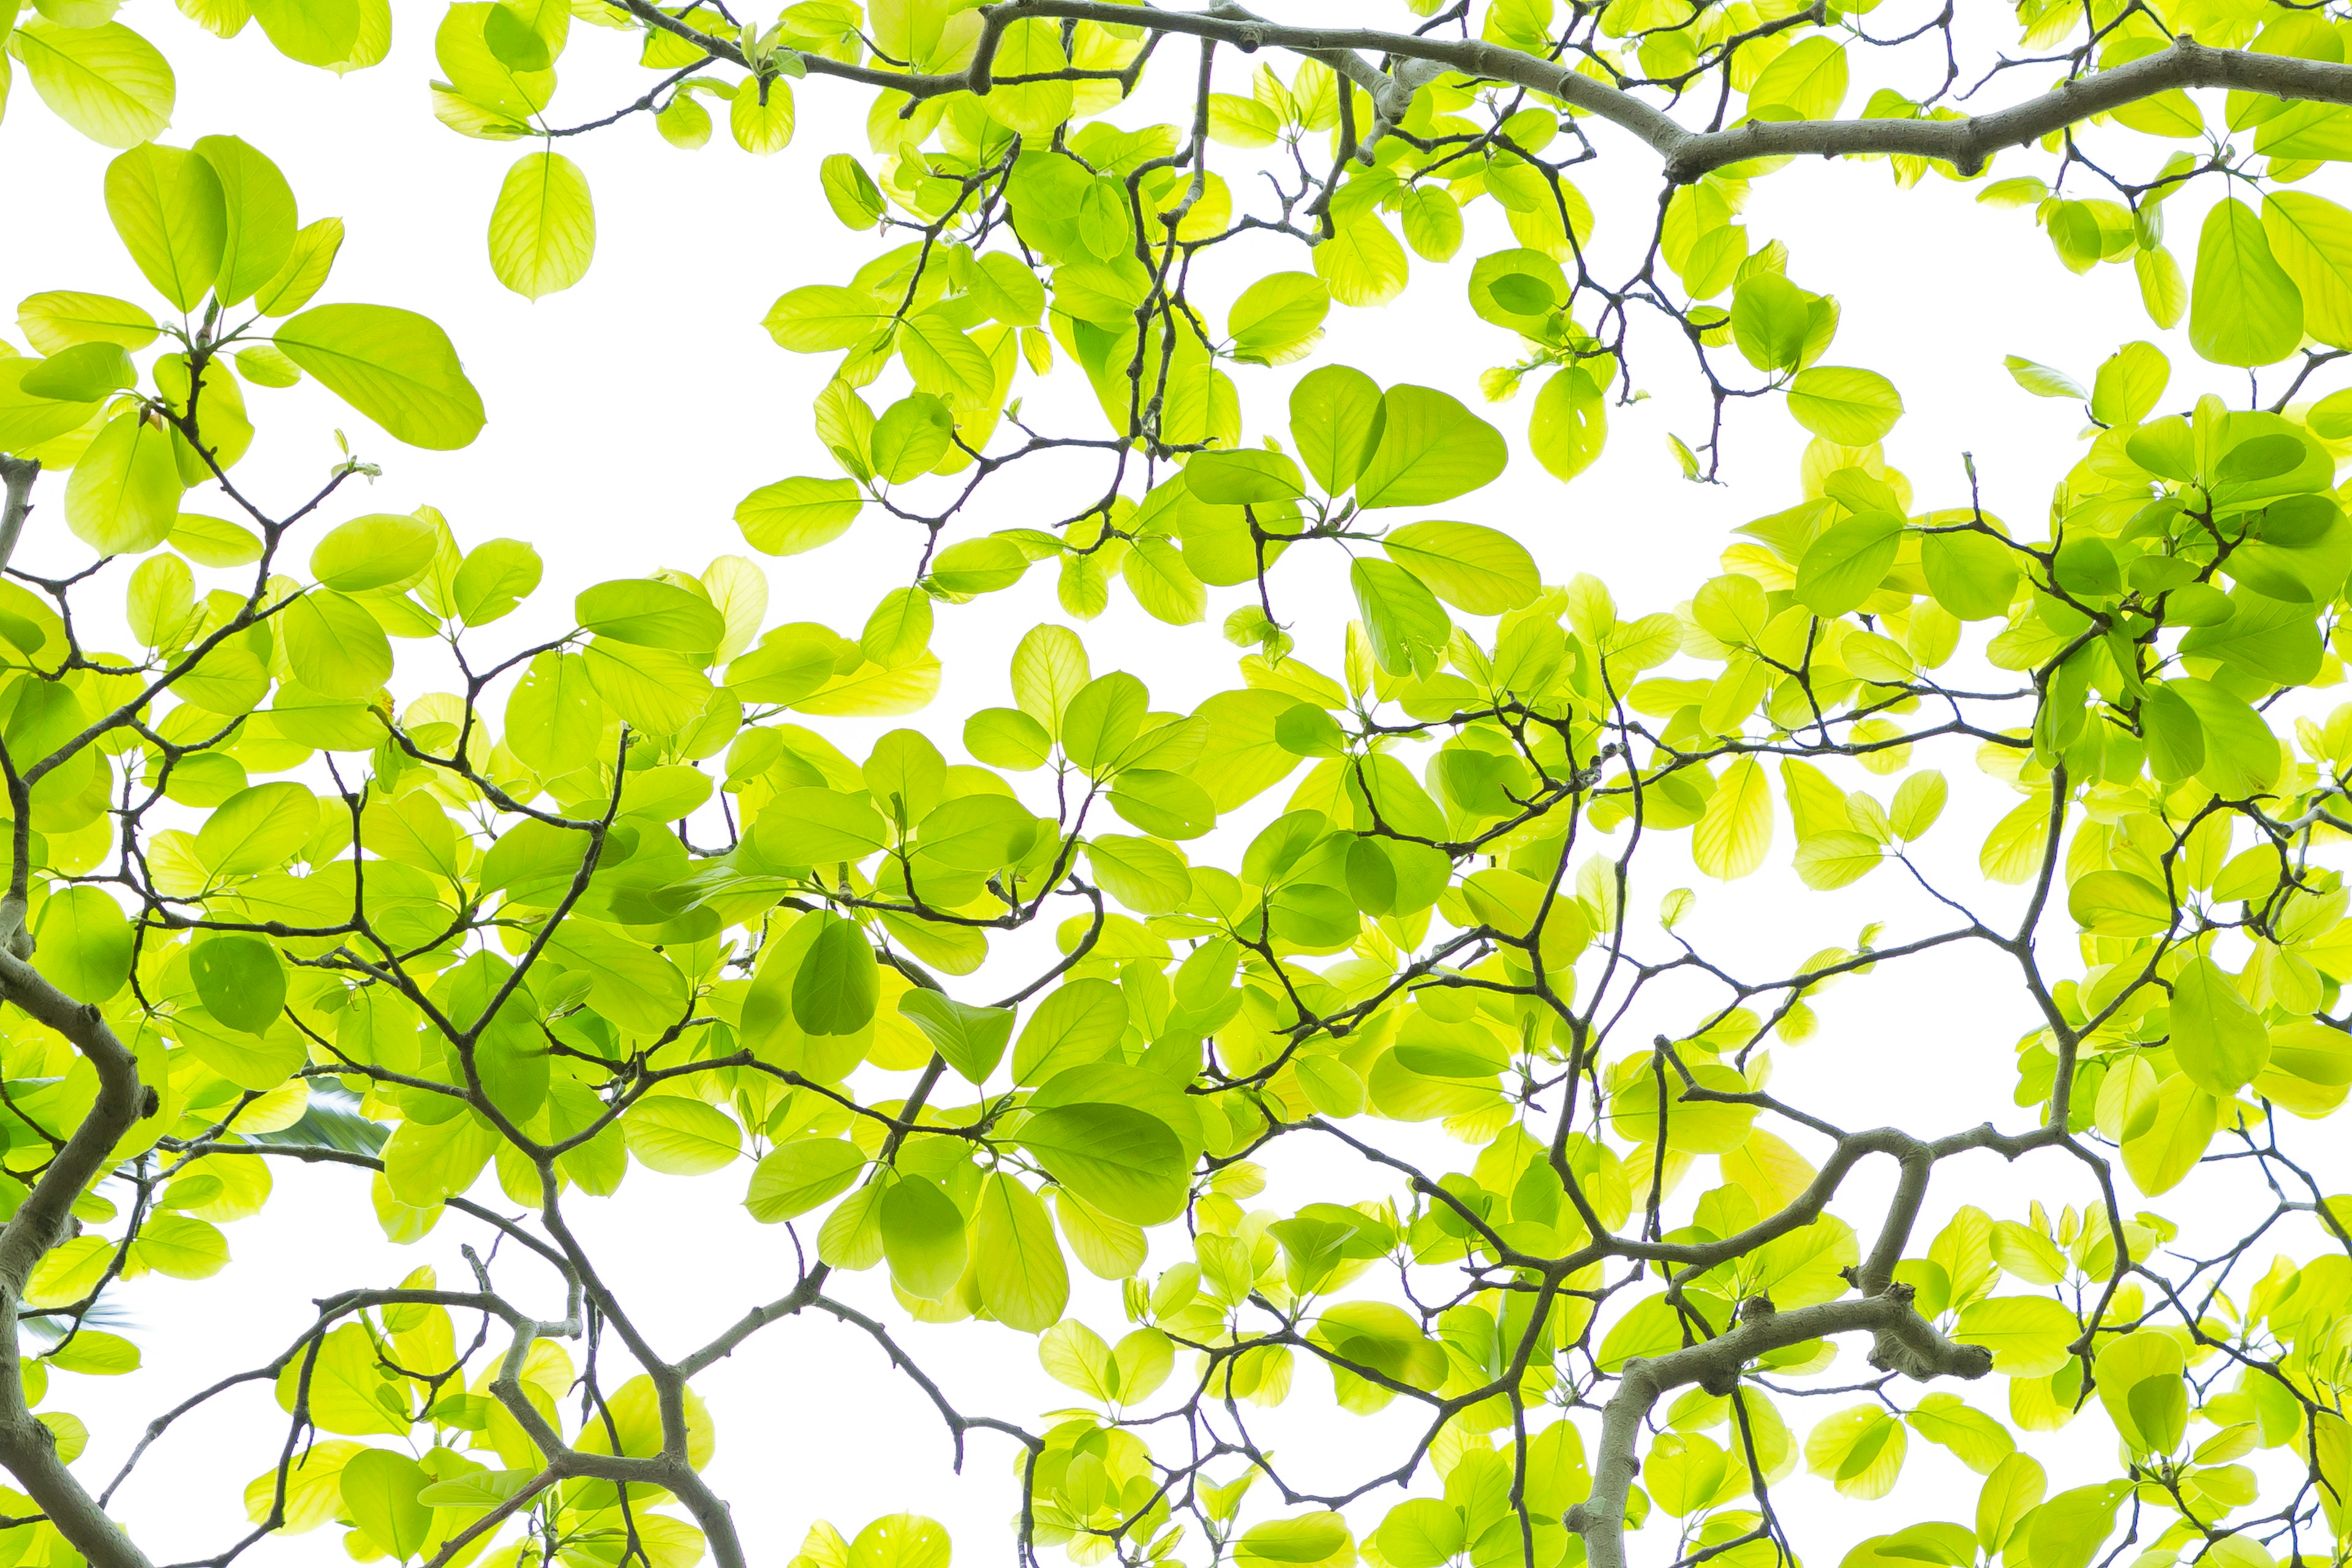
(44, 1220)
(18, 474)
(1904, 1343)
(1966, 143)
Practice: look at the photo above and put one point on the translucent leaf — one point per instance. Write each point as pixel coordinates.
(544, 226)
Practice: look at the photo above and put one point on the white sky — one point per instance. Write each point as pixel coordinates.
(628, 416)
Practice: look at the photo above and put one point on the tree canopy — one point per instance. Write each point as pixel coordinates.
(1359, 1038)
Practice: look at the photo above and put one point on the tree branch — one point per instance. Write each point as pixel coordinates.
(28, 1447)
(18, 474)
(1966, 143)
(1905, 1342)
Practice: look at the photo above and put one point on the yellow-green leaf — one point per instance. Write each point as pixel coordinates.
(2243, 309)
(106, 81)
(543, 229)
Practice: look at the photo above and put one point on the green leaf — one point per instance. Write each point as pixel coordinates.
(1007, 737)
(554, 721)
(812, 827)
(2011, 1491)
(2129, 382)
(334, 645)
(543, 229)
(26, 420)
(315, 32)
(1917, 803)
(1431, 448)
(167, 205)
(801, 1175)
(1163, 803)
(1141, 873)
(1031, 47)
(1156, 572)
(922, 1238)
(1420, 1532)
(837, 986)
(2311, 239)
(970, 566)
(2168, 1149)
(306, 268)
(393, 365)
(215, 541)
(1244, 477)
(976, 833)
(258, 829)
(105, 81)
(180, 1248)
(93, 1353)
(1852, 408)
(1569, 423)
(658, 692)
(2028, 1335)
(1808, 81)
(1103, 720)
(1978, 1440)
(493, 87)
(1076, 1023)
(1127, 1162)
(1517, 289)
(1736, 828)
(970, 1040)
(1408, 627)
(380, 549)
(382, 1491)
(910, 437)
(85, 373)
(1837, 858)
(1336, 417)
(2243, 309)
(1432, 222)
(823, 316)
(84, 943)
(648, 613)
(1278, 317)
(1362, 263)
(681, 1137)
(479, 1489)
(240, 979)
(258, 207)
(944, 361)
(795, 515)
(2041, 381)
(495, 576)
(2068, 1530)
(1023, 1281)
(512, 37)
(1771, 320)
(60, 319)
(1972, 574)
(1842, 568)
(2175, 735)
(2219, 1040)
(2118, 903)
(2265, 637)
(2241, 755)
(899, 1539)
(849, 190)
(1858, 1450)
(1471, 568)
(2140, 1382)
(124, 494)
(1312, 1538)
